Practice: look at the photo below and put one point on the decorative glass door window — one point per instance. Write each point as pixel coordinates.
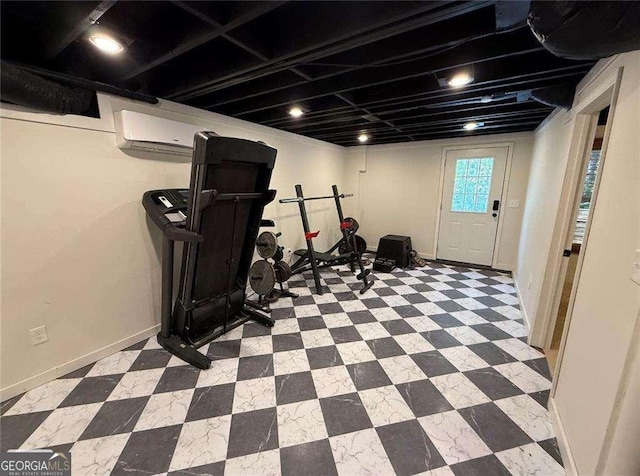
(472, 185)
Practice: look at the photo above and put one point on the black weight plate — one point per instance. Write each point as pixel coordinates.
(266, 244)
(283, 271)
(361, 245)
(262, 277)
(279, 254)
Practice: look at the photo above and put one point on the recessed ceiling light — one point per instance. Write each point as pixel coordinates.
(363, 138)
(459, 80)
(296, 111)
(106, 44)
(469, 126)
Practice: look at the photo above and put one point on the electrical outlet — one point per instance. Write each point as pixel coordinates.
(39, 335)
(514, 203)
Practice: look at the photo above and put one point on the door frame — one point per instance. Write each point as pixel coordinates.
(585, 122)
(575, 179)
(505, 192)
(605, 96)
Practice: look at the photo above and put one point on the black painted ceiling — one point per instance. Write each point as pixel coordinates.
(352, 66)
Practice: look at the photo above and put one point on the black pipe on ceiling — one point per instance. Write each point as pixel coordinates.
(557, 96)
(23, 88)
(586, 30)
(57, 92)
(579, 30)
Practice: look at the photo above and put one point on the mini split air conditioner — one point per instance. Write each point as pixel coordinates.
(142, 132)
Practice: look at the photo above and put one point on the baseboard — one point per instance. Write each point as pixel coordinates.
(479, 267)
(563, 443)
(523, 310)
(59, 371)
(504, 267)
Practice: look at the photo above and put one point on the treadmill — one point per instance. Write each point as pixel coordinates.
(218, 219)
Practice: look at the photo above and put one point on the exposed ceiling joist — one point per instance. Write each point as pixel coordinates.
(422, 128)
(441, 38)
(207, 19)
(78, 30)
(244, 46)
(205, 38)
(384, 29)
(490, 49)
(444, 134)
(477, 113)
(412, 102)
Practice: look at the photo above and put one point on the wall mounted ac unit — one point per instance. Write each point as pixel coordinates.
(142, 132)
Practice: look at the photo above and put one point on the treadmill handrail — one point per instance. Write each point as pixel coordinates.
(175, 233)
(209, 197)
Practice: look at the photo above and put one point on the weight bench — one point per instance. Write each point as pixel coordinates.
(325, 257)
(218, 222)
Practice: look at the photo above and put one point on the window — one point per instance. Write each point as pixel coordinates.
(587, 192)
(472, 185)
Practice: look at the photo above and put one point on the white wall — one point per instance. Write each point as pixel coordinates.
(79, 255)
(546, 176)
(399, 192)
(621, 455)
(594, 386)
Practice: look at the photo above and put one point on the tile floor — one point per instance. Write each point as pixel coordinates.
(427, 373)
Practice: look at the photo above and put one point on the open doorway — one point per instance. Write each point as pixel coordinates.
(583, 205)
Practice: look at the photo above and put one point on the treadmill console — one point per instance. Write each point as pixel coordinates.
(167, 207)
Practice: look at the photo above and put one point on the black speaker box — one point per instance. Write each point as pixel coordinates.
(395, 247)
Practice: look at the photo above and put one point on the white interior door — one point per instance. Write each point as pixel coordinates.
(471, 204)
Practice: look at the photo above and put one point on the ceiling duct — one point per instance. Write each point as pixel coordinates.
(511, 14)
(557, 96)
(586, 30)
(27, 89)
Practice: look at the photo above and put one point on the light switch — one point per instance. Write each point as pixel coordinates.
(635, 274)
(514, 203)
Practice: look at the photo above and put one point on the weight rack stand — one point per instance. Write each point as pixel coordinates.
(328, 260)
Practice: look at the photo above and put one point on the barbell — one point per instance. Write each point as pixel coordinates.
(307, 199)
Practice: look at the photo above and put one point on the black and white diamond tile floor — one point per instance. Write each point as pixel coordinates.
(426, 373)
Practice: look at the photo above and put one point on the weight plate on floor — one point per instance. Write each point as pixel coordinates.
(283, 271)
(262, 277)
(266, 244)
